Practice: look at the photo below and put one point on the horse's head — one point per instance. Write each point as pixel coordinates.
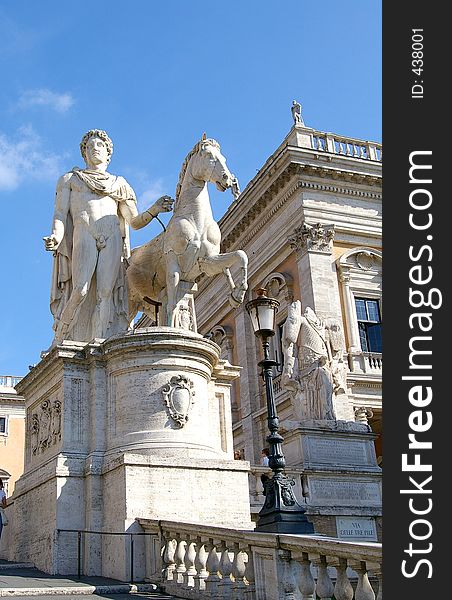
(210, 165)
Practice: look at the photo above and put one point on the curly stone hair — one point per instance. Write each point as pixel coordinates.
(103, 135)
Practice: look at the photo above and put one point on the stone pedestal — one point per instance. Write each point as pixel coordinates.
(341, 478)
(135, 426)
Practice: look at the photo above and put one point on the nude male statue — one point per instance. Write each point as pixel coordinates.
(90, 243)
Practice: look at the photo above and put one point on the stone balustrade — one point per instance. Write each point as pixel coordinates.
(197, 561)
(277, 385)
(355, 148)
(366, 362)
(9, 380)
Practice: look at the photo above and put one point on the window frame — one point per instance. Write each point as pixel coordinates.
(368, 321)
(5, 432)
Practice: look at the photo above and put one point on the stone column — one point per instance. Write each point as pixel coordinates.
(351, 320)
(317, 269)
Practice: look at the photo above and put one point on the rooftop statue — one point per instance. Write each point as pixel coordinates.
(165, 269)
(296, 113)
(90, 243)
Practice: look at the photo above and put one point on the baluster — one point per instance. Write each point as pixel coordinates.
(200, 565)
(325, 587)
(250, 593)
(319, 144)
(340, 149)
(189, 561)
(288, 584)
(343, 589)
(364, 590)
(355, 150)
(371, 152)
(213, 567)
(225, 585)
(306, 583)
(168, 559)
(259, 485)
(178, 575)
(238, 572)
(347, 147)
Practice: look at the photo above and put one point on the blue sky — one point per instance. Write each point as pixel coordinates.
(155, 76)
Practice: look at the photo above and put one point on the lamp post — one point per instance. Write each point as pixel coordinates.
(281, 512)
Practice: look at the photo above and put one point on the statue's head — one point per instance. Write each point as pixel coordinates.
(96, 133)
(310, 315)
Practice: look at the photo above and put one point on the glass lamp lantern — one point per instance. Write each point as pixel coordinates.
(262, 311)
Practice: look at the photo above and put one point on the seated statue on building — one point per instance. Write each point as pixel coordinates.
(314, 371)
(90, 244)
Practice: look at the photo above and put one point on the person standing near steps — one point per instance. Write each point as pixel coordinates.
(3, 520)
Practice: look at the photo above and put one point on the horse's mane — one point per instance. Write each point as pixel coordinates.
(192, 152)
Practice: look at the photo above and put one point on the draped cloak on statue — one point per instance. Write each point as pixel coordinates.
(102, 184)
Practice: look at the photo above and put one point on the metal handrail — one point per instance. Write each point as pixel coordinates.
(79, 533)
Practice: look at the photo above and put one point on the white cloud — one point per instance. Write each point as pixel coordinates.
(152, 193)
(23, 157)
(43, 97)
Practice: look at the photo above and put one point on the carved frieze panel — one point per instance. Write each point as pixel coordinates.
(45, 426)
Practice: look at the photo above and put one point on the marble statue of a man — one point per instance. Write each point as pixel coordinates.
(310, 375)
(90, 243)
(296, 113)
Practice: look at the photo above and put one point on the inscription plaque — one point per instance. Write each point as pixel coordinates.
(327, 451)
(345, 493)
(356, 528)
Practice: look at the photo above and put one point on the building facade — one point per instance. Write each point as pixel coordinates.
(310, 223)
(12, 432)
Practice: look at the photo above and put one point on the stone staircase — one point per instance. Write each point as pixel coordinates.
(23, 579)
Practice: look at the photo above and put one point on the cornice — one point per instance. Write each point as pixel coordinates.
(295, 173)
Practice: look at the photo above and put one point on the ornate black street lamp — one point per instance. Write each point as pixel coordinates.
(281, 512)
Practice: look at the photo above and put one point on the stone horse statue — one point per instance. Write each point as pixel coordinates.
(165, 269)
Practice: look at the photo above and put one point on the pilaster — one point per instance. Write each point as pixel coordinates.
(313, 245)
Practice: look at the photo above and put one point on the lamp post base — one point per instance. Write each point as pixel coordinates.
(281, 512)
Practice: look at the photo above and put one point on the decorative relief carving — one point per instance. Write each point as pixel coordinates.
(316, 238)
(45, 426)
(224, 337)
(358, 260)
(178, 394)
(280, 286)
(365, 260)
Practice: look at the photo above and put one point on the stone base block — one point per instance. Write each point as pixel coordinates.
(135, 426)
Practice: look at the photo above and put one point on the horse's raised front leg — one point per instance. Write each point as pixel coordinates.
(213, 265)
(238, 289)
(172, 281)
